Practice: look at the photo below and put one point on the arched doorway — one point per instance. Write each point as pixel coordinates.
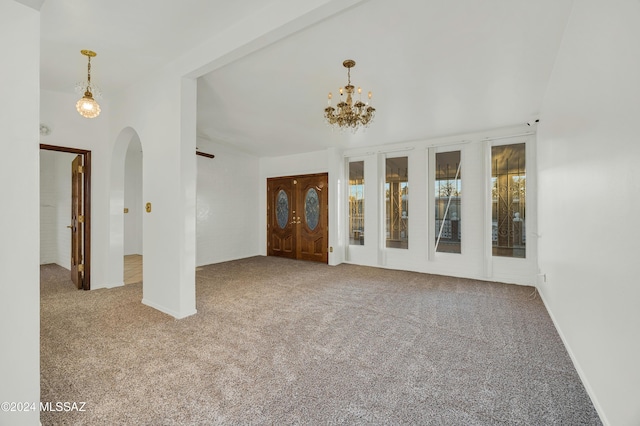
(133, 213)
(125, 206)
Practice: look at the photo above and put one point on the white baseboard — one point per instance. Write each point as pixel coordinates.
(176, 315)
(576, 365)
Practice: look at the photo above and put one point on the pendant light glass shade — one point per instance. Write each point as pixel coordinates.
(87, 106)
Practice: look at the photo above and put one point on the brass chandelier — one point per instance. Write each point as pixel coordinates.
(349, 115)
(87, 106)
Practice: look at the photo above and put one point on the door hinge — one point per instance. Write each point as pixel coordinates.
(81, 219)
(81, 169)
(81, 268)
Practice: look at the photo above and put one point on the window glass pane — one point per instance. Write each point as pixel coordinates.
(397, 202)
(448, 194)
(356, 203)
(508, 196)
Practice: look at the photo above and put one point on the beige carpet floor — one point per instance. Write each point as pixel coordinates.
(277, 341)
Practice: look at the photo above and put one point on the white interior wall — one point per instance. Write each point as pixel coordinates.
(19, 221)
(161, 111)
(48, 208)
(133, 198)
(337, 200)
(227, 202)
(55, 207)
(589, 184)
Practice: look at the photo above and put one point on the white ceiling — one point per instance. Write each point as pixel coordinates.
(435, 67)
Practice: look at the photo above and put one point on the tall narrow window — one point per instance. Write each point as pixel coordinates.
(356, 203)
(448, 192)
(508, 196)
(397, 202)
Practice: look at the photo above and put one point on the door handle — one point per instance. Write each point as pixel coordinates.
(70, 226)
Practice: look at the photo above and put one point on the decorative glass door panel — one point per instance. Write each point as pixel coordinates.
(282, 209)
(311, 208)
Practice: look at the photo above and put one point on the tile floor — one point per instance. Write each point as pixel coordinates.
(132, 269)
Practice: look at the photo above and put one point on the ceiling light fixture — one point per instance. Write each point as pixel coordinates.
(87, 106)
(348, 114)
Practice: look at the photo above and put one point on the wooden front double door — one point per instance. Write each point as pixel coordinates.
(297, 217)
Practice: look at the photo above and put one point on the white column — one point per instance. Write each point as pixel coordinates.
(19, 213)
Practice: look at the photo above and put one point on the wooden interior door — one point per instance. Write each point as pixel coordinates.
(312, 230)
(77, 222)
(281, 219)
(297, 217)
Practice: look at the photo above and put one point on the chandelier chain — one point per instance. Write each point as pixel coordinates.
(89, 73)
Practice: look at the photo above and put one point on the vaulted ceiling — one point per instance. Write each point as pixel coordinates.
(436, 68)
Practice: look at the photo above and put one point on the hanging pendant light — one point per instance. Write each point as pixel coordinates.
(87, 106)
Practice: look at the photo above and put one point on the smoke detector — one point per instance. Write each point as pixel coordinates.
(44, 129)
